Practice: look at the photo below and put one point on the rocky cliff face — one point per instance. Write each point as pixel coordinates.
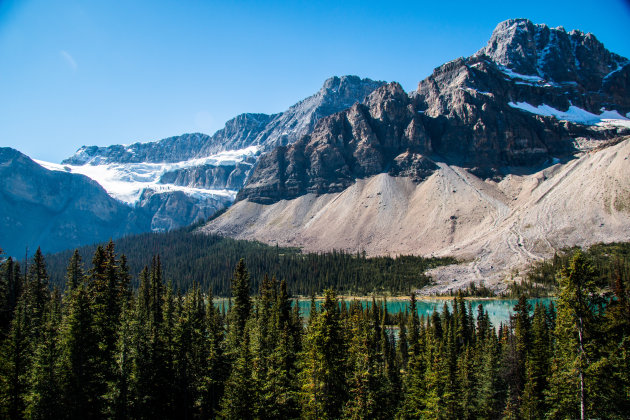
(509, 105)
(245, 130)
(572, 58)
(174, 209)
(172, 149)
(56, 210)
(198, 165)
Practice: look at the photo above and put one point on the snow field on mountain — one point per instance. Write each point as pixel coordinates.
(575, 114)
(127, 181)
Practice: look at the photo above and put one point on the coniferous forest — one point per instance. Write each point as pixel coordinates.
(209, 261)
(104, 349)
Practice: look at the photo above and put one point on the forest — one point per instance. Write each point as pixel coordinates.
(103, 349)
(208, 260)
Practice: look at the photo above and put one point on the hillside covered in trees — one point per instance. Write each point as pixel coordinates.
(103, 350)
(209, 260)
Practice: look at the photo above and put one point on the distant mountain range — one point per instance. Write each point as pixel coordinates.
(477, 162)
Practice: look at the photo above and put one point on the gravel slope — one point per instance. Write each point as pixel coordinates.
(496, 227)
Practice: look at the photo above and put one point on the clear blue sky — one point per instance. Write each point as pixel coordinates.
(107, 72)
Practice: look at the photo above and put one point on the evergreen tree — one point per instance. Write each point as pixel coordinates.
(574, 334)
(15, 364)
(119, 395)
(83, 386)
(242, 301)
(215, 365)
(366, 381)
(10, 291)
(324, 364)
(74, 272)
(37, 295)
(537, 367)
(45, 375)
(239, 387)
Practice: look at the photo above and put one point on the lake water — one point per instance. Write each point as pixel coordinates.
(499, 310)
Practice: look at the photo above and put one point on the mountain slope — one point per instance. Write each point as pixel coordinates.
(499, 225)
(182, 179)
(441, 170)
(56, 210)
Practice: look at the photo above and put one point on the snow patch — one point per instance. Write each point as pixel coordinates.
(127, 181)
(514, 75)
(575, 114)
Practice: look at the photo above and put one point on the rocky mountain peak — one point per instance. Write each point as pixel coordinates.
(551, 53)
(347, 88)
(388, 102)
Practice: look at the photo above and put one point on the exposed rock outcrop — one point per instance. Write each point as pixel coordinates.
(56, 210)
(466, 113)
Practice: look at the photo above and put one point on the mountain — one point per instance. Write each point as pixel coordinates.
(179, 180)
(56, 210)
(455, 166)
(243, 131)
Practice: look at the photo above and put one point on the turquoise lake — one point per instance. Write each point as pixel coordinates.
(499, 310)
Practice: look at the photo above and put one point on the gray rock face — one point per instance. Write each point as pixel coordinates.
(175, 209)
(231, 177)
(172, 149)
(458, 115)
(56, 210)
(552, 53)
(245, 130)
(383, 134)
(571, 67)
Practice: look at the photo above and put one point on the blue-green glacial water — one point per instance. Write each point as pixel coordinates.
(499, 310)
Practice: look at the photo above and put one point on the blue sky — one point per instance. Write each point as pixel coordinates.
(76, 73)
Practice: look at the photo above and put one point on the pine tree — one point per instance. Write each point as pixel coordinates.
(239, 387)
(324, 364)
(489, 400)
(366, 379)
(74, 272)
(119, 394)
(150, 384)
(574, 332)
(15, 364)
(37, 295)
(402, 350)
(242, 301)
(10, 291)
(83, 386)
(45, 375)
(537, 367)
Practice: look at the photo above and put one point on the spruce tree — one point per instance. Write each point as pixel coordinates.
(83, 385)
(45, 373)
(323, 378)
(15, 359)
(74, 272)
(236, 402)
(574, 333)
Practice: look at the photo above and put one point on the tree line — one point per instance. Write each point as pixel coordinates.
(208, 260)
(101, 349)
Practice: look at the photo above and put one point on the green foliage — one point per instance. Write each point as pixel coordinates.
(605, 259)
(324, 361)
(103, 350)
(208, 261)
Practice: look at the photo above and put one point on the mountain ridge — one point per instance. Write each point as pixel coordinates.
(382, 175)
(56, 210)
